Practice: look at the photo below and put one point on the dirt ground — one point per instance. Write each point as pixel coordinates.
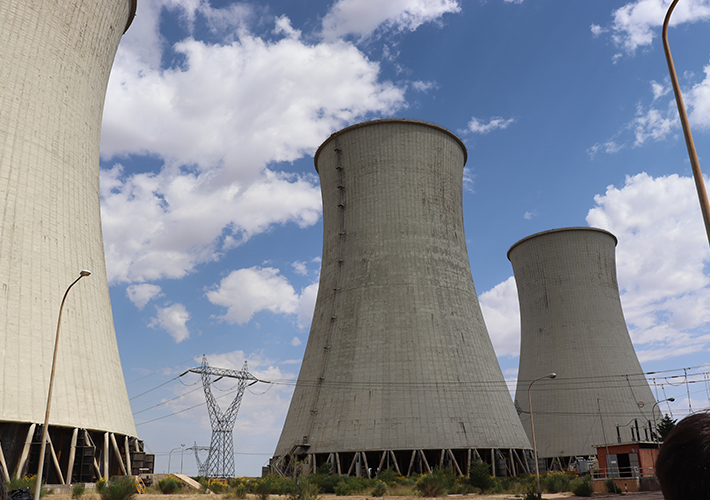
(551, 496)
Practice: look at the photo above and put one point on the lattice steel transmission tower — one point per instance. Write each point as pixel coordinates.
(220, 461)
(201, 466)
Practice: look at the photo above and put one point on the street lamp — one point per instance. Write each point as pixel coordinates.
(653, 413)
(43, 447)
(532, 428)
(181, 454)
(690, 145)
(170, 456)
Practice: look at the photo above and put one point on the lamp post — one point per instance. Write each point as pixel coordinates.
(690, 145)
(170, 456)
(181, 455)
(43, 446)
(532, 428)
(653, 413)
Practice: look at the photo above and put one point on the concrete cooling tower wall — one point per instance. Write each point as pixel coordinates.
(572, 324)
(399, 371)
(54, 67)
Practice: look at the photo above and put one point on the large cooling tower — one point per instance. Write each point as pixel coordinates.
(572, 324)
(399, 370)
(54, 67)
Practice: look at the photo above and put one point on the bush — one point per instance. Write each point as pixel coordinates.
(380, 489)
(216, 485)
(582, 487)
(611, 486)
(554, 482)
(436, 484)
(118, 488)
(532, 494)
(28, 482)
(169, 485)
(479, 476)
(77, 490)
(348, 485)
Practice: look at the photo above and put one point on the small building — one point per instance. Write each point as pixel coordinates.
(630, 465)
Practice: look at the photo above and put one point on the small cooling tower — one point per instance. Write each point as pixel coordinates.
(399, 371)
(572, 324)
(55, 62)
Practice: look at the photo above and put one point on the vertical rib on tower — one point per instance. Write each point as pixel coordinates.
(572, 324)
(399, 370)
(54, 67)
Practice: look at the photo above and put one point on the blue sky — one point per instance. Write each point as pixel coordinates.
(211, 205)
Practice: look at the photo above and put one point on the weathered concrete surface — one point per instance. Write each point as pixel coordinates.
(572, 324)
(398, 356)
(54, 68)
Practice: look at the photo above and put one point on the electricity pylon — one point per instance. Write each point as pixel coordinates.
(201, 466)
(220, 461)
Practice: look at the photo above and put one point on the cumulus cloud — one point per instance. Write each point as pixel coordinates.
(245, 292)
(502, 315)
(216, 119)
(172, 319)
(661, 259)
(637, 23)
(362, 18)
(141, 294)
(479, 126)
(661, 256)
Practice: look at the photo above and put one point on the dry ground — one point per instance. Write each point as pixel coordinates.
(551, 496)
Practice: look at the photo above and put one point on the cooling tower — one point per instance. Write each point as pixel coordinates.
(399, 371)
(572, 324)
(54, 67)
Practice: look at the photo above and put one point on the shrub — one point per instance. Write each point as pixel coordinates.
(582, 487)
(531, 493)
(479, 476)
(555, 482)
(28, 482)
(380, 489)
(436, 484)
(169, 485)
(118, 488)
(348, 485)
(78, 490)
(240, 491)
(216, 485)
(611, 486)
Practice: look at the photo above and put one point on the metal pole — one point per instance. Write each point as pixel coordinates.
(43, 446)
(181, 455)
(170, 456)
(532, 428)
(694, 163)
(653, 413)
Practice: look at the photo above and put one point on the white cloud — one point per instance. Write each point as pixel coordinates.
(654, 124)
(216, 119)
(173, 320)
(597, 30)
(306, 305)
(141, 294)
(637, 23)
(530, 215)
(296, 341)
(502, 315)
(245, 292)
(478, 126)
(661, 256)
(363, 17)
(659, 90)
